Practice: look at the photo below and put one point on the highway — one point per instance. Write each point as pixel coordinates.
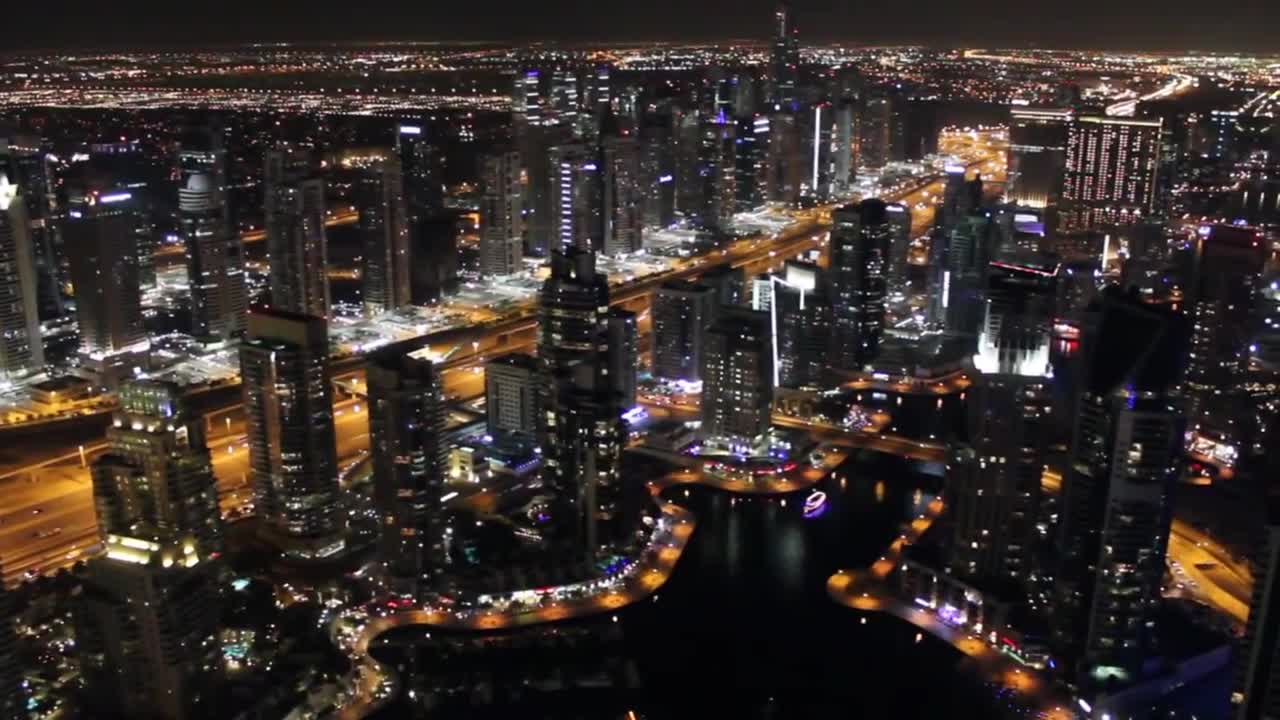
(344, 217)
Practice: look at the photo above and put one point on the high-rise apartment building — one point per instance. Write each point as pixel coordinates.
(899, 246)
(737, 381)
(575, 190)
(800, 321)
(21, 348)
(409, 452)
(784, 62)
(501, 215)
(877, 131)
(297, 246)
(622, 198)
(156, 480)
(284, 363)
(421, 167)
(384, 232)
(215, 253)
(511, 391)
(1126, 455)
(682, 312)
(860, 241)
(624, 355)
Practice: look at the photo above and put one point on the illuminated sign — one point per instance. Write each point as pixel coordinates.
(815, 504)
(952, 169)
(410, 130)
(666, 179)
(895, 209)
(115, 198)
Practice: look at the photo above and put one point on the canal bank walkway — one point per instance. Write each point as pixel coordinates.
(866, 592)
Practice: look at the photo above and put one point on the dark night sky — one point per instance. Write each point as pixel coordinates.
(1225, 25)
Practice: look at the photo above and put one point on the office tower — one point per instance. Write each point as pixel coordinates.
(784, 62)
(960, 198)
(13, 690)
(800, 321)
(1223, 127)
(750, 162)
(688, 153)
(501, 215)
(215, 253)
(624, 355)
(156, 480)
(599, 89)
(575, 190)
(622, 197)
(99, 233)
(21, 348)
(433, 242)
(421, 166)
(819, 134)
(1037, 156)
(1111, 170)
(970, 247)
(28, 165)
(147, 628)
(582, 430)
(877, 131)
(562, 106)
(717, 169)
(284, 367)
(728, 282)
(1256, 694)
(658, 170)
(534, 139)
(682, 312)
(406, 431)
(297, 247)
(737, 381)
(785, 173)
(384, 231)
(1126, 454)
(860, 240)
(1228, 265)
(899, 246)
(511, 392)
(995, 476)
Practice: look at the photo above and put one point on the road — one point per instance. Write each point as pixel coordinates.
(344, 217)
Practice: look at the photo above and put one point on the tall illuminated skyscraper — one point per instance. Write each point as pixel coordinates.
(215, 253)
(101, 244)
(1126, 455)
(284, 364)
(877, 131)
(575, 189)
(737, 381)
(21, 348)
(899, 246)
(420, 165)
(784, 62)
(294, 205)
(501, 215)
(860, 241)
(995, 477)
(682, 312)
(750, 161)
(384, 229)
(800, 319)
(1037, 156)
(406, 429)
(622, 210)
(1228, 267)
(156, 479)
(582, 429)
(1111, 169)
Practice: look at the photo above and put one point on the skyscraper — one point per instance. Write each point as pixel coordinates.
(582, 430)
(737, 381)
(877, 131)
(1257, 688)
(284, 363)
(1228, 264)
(995, 477)
(511, 392)
(658, 169)
(682, 312)
(1126, 454)
(623, 338)
(622, 197)
(501, 215)
(786, 166)
(29, 167)
(576, 194)
(1037, 156)
(860, 240)
(420, 165)
(784, 62)
(215, 253)
(750, 161)
(102, 247)
(1111, 168)
(21, 348)
(384, 230)
(717, 170)
(800, 320)
(147, 628)
(899, 246)
(294, 206)
(406, 430)
(156, 480)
